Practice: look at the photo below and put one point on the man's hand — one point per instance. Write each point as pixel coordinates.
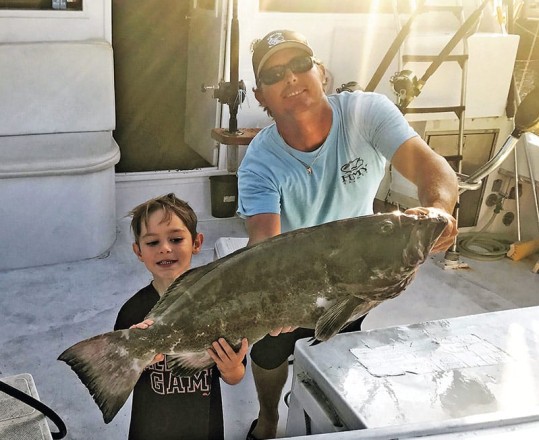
(143, 326)
(229, 363)
(449, 233)
(277, 331)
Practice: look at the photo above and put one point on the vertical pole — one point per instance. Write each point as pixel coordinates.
(234, 69)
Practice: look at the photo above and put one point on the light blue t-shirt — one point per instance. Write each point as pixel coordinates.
(347, 169)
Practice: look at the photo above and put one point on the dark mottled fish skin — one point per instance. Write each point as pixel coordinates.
(315, 277)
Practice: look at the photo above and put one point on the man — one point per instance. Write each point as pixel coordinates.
(322, 160)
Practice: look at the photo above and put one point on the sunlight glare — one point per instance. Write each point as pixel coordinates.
(519, 389)
(365, 61)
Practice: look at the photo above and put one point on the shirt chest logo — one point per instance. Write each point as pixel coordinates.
(353, 170)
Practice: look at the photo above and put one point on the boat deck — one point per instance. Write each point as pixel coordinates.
(46, 309)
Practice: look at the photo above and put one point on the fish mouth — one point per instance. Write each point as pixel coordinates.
(427, 230)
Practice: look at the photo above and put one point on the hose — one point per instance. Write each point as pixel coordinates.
(482, 246)
(490, 249)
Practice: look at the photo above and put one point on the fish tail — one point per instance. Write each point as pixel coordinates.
(106, 366)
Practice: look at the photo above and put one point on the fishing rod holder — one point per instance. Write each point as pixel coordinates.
(230, 94)
(406, 86)
(227, 93)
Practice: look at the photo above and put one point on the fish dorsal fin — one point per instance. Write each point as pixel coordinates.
(187, 364)
(335, 318)
(187, 279)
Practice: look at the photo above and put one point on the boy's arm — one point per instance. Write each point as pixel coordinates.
(121, 320)
(230, 364)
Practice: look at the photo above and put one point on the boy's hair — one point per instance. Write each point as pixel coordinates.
(171, 205)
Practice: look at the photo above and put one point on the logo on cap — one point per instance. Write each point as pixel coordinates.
(275, 39)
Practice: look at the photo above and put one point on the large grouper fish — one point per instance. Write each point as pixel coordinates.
(316, 277)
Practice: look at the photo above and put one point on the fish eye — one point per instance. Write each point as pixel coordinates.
(387, 227)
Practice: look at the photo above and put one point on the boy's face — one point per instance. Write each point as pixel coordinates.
(166, 248)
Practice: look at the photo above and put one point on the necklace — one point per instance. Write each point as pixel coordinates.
(308, 168)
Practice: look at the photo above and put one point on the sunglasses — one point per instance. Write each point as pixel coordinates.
(274, 74)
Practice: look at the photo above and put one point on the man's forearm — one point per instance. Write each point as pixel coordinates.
(439, 188)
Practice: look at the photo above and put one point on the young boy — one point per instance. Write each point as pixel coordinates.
(167, 406)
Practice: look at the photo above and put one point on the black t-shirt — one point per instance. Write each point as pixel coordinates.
(168, 407)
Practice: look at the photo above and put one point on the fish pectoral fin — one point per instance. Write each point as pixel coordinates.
(335, 318)
(187, 364)
(313, 342)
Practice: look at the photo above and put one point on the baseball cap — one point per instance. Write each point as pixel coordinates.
(274, 41)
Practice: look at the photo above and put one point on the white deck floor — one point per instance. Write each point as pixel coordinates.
(47, 309)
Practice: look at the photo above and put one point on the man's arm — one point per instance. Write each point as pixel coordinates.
(262, 226)
(437, 183)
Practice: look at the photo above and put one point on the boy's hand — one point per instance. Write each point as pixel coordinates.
(229, 363)
(277, 331)
(143, 326)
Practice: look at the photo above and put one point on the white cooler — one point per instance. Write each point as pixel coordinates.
(471, 374)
